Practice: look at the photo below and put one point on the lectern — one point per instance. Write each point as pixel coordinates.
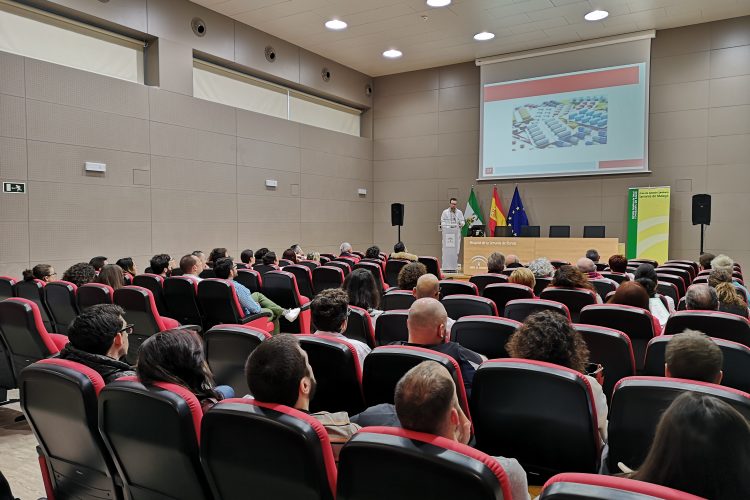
(451, 245)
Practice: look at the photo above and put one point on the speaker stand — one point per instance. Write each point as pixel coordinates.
(703, 229)
(399, 234)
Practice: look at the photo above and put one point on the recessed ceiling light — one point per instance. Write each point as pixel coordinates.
(336, 24)
(392, 54)
(438, 3)
(596, 15)
(484, 35)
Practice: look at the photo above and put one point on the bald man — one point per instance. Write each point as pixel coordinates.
(428, 286)
(427, 324)
(512, 261)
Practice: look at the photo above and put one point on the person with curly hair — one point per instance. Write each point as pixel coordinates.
(548, 336)
(409, 274)
(572, 277)
(80, 274)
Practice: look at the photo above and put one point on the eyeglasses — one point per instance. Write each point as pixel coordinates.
(128, 329)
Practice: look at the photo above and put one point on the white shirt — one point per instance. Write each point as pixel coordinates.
(361, 348)
(452, 218)
(600, 401)
(661, 313)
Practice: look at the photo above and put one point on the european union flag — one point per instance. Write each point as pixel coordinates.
(516, 214)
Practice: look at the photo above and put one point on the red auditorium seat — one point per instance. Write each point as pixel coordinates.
(577, 486)
(303, 275)
(668, 290)
(385, 366)
(281, 287)
(345, 266)
(458, 306)
(574, 299)
(603, 287)
(511, 402)
(391, 327)
(181, 300)
(310, 264)
(713, 323)
(227, 348)
(482, 280)
(675, 280)
(337, 372)
(155, 283)
(392, 268)
(33, 290)
(325, 277)
(141, 312)
(59, 399)
(251, 278)
(432, 265)
(637, 405)
(285, 262)
(612, 349)
(541, 284)
(502, 293)
(619, 278)
(6, 287)
(486, 335)
(91, 294)
(377, 273)
(520, 309)
(397, 299)
(359, 326)
(636, 323)
(452, 287)
(264, 268)
(153, 434)
(60, 297)
(220, 304)
(444, 468)
(290, 454)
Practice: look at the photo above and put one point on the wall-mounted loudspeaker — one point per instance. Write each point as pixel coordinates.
(701, 209)
(198, 26)
(397, 214)
(270, 54)
(325, 74)
(368, 90)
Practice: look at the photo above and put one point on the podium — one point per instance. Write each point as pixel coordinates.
(451, 246)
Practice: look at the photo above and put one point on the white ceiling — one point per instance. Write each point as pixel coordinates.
(431, 37)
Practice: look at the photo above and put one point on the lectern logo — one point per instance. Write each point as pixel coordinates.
(478, 263)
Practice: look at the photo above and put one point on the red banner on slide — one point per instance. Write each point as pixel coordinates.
(559, 84)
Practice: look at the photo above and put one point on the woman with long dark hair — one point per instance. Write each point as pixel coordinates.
(701, 446)
(363, 292)
(111, 275)
(176, 357)
(128, 267)
(215, 255)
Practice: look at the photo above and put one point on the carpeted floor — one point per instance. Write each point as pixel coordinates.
(18, 458)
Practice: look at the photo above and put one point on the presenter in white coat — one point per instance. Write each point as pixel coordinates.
(452, 215)
(451, 223)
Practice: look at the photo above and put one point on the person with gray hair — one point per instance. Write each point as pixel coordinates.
(495, 263)
(346, 250)
(694, 356)
(725, 262)
(426, 401)
(542, 268)
(701, 298)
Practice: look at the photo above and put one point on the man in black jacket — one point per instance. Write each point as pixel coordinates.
(98, 339)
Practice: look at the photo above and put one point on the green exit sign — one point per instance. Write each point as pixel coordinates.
(14, 187)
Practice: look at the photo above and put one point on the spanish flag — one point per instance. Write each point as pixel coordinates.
(496, 213)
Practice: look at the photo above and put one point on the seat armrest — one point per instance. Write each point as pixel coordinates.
(305, 307)
(197, 328)
(253, 317)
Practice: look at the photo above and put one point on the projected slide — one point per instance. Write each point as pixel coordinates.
(571, 124)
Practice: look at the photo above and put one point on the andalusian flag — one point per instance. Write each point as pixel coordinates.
(496, 213)
(473, 214)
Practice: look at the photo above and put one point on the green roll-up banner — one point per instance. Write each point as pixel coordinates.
(648, 223)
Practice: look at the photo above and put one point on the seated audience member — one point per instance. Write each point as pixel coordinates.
(495, 263)
(399, 252)
(693, 355)
(702, 447)
(572, 277)
(128, 267)
(346, 251)
(111, 275)
(269, 259)
(43, 272)
(512, 261)
(705, 261)
(363, 292)
(98, 338)
(98, 262)
(428, 286)
(634, 294)
(593, 255)
(730, 301)
(216, 254)
(161, 264)
(298, 251)
(290, 255)
(259, 254)
(618, 264)
(427, 324)
(248, 259)
(701, 298)
(191, 267)
(278, 372)
(548, 336)
(522, 276)
(722, 261)
(426, 401)
(79, 274)
(255, 302)
(646, 276)
(176, 357)
(409, 274)
(314, 256)
(330, 312)
(588, 267)
(541, 268)
(202, 257)
(373, 252)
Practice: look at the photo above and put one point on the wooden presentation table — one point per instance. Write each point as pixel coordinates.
(476, 250)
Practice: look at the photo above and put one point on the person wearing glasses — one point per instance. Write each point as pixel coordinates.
(330, 314)
(98, 338)
(44, 272)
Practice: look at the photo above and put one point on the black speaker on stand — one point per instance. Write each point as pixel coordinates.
(397, 216)
(702, 213)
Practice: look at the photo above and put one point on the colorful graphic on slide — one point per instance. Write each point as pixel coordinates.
(564, 123)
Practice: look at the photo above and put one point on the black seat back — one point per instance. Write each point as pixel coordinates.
(713, 323)
(181, 298)
(60, 297)
(344, 265)
(391, 327)
(541, 284)
(452, 287)
(520, 309)
(23, 333)
(325, 277)
(603, 287)
(397, 299)
(264, 268)
(578, 486)
(612, 349)
(486, 335)
(219, 302)
(227, 348)
(281, 288)
(155, 283)
(91, 294)
(33, 290)
(432, 265)
(251, 278)
(502, 293)
(392, 268)
(376, 271)
(6, 287)
(359, 326)
(636, 323)
(668, 290)
(482, 280)
(458, 306)
(140, 311)
(574, 299)
(303, 275)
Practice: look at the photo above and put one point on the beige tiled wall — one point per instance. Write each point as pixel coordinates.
(182, 173)
(426, 142)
